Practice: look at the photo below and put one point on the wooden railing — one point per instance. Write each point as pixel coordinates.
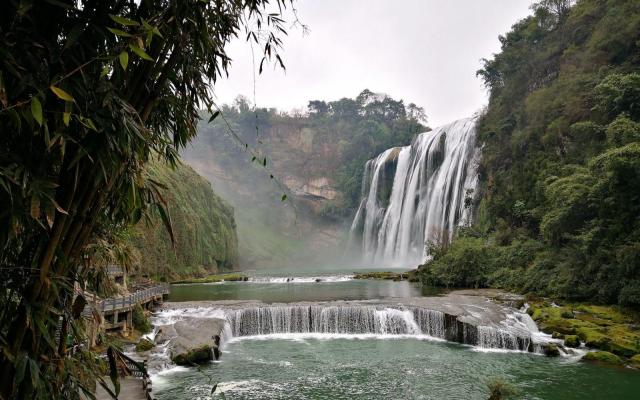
(125, 302)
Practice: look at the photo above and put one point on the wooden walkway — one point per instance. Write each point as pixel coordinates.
(130, 389)
(126, 303)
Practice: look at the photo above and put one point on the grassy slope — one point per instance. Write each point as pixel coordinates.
(203, 224)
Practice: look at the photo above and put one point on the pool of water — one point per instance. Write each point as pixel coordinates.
(318, 284)
(311, 368)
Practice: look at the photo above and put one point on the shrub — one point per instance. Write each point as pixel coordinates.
(140, 320)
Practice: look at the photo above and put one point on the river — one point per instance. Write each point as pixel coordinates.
(314, 365)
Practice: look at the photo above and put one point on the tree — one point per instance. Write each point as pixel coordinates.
(318, 107)
(90, 92)
(416, 113)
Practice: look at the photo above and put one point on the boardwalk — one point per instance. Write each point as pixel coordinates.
(130, 389)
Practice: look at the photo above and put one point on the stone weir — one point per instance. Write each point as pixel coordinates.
(470, 320)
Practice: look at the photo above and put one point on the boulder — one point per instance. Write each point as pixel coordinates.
(635, 361)
(199, 355)
(144, 345)
(571, 341)
(603, 357)
(550, 350)
(196, 341)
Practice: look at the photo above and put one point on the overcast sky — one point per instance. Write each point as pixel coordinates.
(422, 51)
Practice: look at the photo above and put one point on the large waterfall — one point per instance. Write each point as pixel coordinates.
(417, 194)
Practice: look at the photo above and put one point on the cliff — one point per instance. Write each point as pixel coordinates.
(203, 225)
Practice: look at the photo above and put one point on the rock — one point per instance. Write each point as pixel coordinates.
(550, 350)
(603, 357)
(557, 335)
(164, 334)
(198, 355)
(635, 361)
(571, 341)
(144, 345)
(567, 315)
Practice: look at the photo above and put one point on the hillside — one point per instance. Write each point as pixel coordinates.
(561, 160)
(318, 158)
(203, 224)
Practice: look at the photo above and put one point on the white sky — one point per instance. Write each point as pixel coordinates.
(422, 51)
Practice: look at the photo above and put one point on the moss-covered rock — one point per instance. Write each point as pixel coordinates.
(557, 335)
(198, 355)
(606, 328)
(550, 350)
(144, 345)
(635, 361)
(603, 357)
(571, 341)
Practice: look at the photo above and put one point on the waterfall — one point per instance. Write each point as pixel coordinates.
(372, 319)
(417, 194)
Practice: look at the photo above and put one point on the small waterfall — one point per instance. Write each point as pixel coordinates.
(371, 319)
(417, 194)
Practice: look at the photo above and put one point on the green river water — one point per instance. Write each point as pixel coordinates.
(296, 366)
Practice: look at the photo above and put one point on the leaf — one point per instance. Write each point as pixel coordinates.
(283, 198)
(214, 116)
(34, 372)
(123, 21)
(140, 53)
(113, 370)
(264, 162)
(280, 61)
(124, 60)
(35, 207)
(20, 366)
(36, 110)
(119, 32)
(213, 389)
(61, 93)
(105, 71)
(65, 118)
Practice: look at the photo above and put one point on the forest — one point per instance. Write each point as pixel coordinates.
(560, 172)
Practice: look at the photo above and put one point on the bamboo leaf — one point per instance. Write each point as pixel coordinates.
(61, 93)
(34, 371)
(20, 366)
(113, 370)
(119, 32)
(66, 117)
(36, 110)
(124, 60)
(214, 116)
(123, 21)
(140, 53)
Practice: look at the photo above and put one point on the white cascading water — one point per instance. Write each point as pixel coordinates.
(374, 320)
(432, 178)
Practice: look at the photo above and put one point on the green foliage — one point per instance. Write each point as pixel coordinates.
(89, 93)
(203, 226)
(140, 320)
(561, 158)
